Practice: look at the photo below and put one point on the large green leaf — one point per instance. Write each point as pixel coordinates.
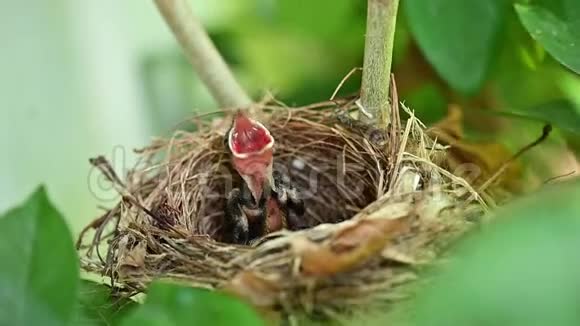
(96, 306)
(521, 270)
(38, 265)
(561, 114)
(556, 25)
(458, 37)
(172, 305)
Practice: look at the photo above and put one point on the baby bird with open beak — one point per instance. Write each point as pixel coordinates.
(266, 202)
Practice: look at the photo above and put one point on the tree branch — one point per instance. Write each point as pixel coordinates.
(380, 35)
(202, 53)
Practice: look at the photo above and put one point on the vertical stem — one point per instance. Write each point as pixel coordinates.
(380, 35)
(202, 53)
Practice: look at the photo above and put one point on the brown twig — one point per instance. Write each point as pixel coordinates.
(344, 79)
(202, 53)
(545, 133)
(558, 177)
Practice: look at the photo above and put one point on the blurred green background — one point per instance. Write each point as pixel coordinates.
(82, 78)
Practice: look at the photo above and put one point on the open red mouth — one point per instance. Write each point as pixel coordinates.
(249, 137)
(252, 148)
(254, 164)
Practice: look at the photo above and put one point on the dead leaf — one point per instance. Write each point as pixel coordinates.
(348, 248)
(253, 288)
(475, 161)
(132, 260)
(257, 291)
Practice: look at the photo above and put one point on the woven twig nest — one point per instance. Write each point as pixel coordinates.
(380, 206)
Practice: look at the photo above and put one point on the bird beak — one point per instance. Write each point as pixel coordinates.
(252, 147)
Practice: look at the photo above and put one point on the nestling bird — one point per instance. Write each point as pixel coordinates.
(267, 201)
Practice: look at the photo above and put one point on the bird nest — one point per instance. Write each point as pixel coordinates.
(380, 205)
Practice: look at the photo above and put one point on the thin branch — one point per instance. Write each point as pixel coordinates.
(350, 73)
(545, 133)
(558, 177)
(380, 35)
(202, 53)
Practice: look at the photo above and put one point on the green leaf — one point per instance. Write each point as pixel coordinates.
(556, 26)
(561, 113)
(39, 271)
(96, 305)
(169, 304)
(459, 38)
(520, 270)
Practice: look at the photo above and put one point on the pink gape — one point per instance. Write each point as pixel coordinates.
(252, 148)
(248, 136)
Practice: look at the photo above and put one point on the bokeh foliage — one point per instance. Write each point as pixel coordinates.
(517, 58)
(40, 282)
(520, 270)
(477, 54)
(302, 49)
